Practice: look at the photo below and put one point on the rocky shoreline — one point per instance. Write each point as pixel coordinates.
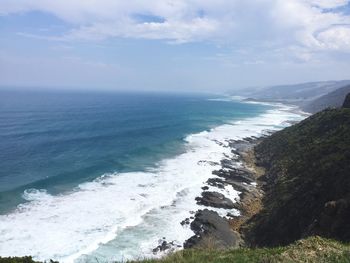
(302, 193)
(211, 229)
(220, 232)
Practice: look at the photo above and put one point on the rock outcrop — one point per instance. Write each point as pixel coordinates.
(213, 231)
(215, 199)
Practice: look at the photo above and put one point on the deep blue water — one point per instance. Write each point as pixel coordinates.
(56, 140)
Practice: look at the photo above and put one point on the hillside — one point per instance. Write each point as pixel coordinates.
(311, 97)
(307, 181)
(333, 99)
(298, 94)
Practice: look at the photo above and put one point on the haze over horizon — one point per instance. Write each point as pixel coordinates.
(172, 45)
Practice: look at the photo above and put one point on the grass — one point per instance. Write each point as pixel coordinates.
(313, 249)
(26, 259)
(17, 260)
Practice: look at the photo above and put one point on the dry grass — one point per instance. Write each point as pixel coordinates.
(312, 250)
(251, 203)
(250, 163)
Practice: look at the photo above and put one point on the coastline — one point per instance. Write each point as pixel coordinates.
(222, 232)
(172, 211)
(239, 171)
(223, 237)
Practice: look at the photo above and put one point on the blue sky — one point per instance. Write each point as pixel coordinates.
(210, 45)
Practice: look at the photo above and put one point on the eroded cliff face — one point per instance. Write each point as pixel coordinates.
(346, 103)
(307, 181)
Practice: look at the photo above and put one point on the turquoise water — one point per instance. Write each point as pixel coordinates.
(86, 176)
(57, 140)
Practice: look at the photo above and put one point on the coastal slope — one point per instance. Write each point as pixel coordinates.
(333, 99)
(311, 97)
(307, 181)
(301, 94)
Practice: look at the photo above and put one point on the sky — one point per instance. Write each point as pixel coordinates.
(200, 45)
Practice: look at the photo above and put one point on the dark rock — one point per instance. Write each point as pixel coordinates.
(235, 152)
(185, 222)
(248, 139)
(240, 146)
(219, 143)
(205, 188)
(164, 246)
(238, 186)
(216, 182)
(236, 174)
(209, 227)
(215, 199)
(227, 163)
(226, 156)
(231, 215)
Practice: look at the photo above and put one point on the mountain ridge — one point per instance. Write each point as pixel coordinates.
(311, 97)
(333, 99)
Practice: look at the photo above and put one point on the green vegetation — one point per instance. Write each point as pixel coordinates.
(21, 260)
(17, 260)
(314, 249)
(307, 181)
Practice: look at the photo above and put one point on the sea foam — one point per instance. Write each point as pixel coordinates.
(123, 215)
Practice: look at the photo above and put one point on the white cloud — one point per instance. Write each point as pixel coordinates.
(337, 38)
(178, 31)
(329, 3)
(264, 23)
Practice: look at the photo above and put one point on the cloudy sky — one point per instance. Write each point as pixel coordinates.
(172, 44)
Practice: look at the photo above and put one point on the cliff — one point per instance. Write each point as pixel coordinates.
(307, 181)
(346, 103)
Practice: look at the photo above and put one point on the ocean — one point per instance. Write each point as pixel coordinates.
(103, 176)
